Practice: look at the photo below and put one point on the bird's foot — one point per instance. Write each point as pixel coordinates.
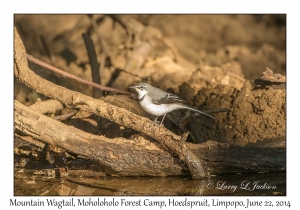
(158, 124)
(155, 122)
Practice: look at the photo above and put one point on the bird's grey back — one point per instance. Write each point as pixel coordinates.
(159, 96)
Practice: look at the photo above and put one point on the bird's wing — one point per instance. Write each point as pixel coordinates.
(168, 98)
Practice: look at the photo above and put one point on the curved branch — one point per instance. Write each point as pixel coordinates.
(71, 76)
(117, 156)
(118, 115)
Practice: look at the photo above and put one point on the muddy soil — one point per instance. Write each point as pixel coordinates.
(210, 61)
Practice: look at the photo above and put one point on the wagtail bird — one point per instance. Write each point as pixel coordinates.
(158, 102)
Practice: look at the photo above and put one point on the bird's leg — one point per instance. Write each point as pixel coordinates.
(154, 122)
(162, 120)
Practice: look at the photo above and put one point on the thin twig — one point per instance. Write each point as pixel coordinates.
(102, 43)
(64, 116)
(127, 72)
(236, 76)
(90, 48)
(71, 76)
(46, 49)
(120, 21)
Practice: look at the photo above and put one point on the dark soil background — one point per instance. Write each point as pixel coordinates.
(209, 60)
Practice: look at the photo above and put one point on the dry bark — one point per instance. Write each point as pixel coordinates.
(44, 107)
(118, 156)
(262, 156)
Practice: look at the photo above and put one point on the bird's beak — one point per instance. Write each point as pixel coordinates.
(134, 88)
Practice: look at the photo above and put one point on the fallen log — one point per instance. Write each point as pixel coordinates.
(140, 157)
(118, 156)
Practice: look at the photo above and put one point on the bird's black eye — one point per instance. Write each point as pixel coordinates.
(141, 87)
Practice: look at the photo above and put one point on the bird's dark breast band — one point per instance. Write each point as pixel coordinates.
(142, 98)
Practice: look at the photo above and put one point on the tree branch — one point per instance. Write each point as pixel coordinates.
(118, 156)
(105, 110)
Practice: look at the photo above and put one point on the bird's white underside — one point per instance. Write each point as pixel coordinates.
(158, 110)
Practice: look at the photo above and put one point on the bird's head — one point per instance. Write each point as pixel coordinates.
(141, 89)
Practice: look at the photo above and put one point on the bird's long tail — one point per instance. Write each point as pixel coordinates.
(196, 110)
